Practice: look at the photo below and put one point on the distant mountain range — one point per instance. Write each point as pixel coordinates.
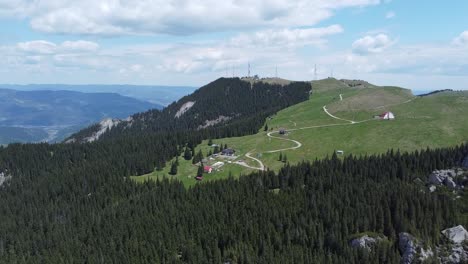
(41, 115)
(157, 94)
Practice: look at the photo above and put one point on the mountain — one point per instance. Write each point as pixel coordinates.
(78, 202)
(349, 124)
(155, 94)
(32, 116)
(227, 106)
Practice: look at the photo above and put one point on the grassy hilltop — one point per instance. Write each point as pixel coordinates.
(437, 120)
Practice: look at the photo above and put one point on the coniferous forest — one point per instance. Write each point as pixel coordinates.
(74, 203)
(57, 212)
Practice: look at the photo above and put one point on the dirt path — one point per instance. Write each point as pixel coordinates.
(299, 144)
(332, 116)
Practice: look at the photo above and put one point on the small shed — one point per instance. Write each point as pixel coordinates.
(387, 116)
(341, 152)
(282, 131)
(228, 152)
(207, 169)
(199, 178)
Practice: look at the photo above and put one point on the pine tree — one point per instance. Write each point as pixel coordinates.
(285, 159)
(265, 128)
(280, 158)
(187, 154)
(200, 171)
(210, 142)
(173, 170)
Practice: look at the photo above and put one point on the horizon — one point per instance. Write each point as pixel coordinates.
(380, 41)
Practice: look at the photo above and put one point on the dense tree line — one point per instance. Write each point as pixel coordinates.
(66, 205)
(243, 105)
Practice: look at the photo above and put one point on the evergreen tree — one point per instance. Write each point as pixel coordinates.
(285, 159)
(210, 142)
(266, 127)
(280, 158)
(187, 154)
(200, 170)
(173, 170)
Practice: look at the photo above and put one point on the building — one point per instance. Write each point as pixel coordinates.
(199, 178)
(387, 116)
(282, 131)
(207, 169)
(341, 152)
(228, 152)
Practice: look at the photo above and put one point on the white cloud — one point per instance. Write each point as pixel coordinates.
(372, 44)
(46, 47)
(287, 37)
(80, 45)
(37, 47)
(114, 17)
(462, 39)
(390, 15)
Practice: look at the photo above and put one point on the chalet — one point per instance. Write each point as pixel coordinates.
(228, 152)
(207, 169)
(387, 116)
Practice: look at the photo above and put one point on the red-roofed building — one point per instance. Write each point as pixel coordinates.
(199, 178)
(207, 169)
(387, 116)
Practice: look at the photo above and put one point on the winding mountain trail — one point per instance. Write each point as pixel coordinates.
(332, 116)
(299, 144)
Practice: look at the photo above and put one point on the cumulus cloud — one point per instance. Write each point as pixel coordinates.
(113, 17)
(46, 47)
(372, 44)
(462, 39)
(287, 37)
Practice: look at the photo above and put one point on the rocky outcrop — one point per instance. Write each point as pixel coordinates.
(411, 249)
(457, 234)
(365, 242)
(184, 108)
(444, 177)
(106, 125)
(455, 251)
(4, 178)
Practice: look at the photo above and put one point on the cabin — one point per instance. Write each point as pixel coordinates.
(228, 152)
(340, 152)
(207, 169)
(199, 178)
(282, 131)
(387, 116)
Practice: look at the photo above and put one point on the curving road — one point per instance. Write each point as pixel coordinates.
(299, 144)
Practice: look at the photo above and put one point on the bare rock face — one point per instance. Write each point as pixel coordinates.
(457, 234)
(4, 178)
(410, 248)
(365, 242)
(444, 177)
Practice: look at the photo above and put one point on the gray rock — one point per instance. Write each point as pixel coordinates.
(4, 178)
(410, 247)
(450, 183)
(432, 188)
(443, 177)
(457, 234)
(365, 242)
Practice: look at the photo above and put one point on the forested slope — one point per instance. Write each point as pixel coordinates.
(56, 210)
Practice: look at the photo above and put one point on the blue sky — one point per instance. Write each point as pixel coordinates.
(414, 44)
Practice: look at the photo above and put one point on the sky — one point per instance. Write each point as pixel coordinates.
(421, 45)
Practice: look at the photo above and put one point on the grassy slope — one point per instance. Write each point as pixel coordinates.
(433, 121)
